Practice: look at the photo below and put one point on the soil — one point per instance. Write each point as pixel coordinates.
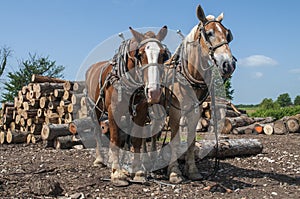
(31, 171)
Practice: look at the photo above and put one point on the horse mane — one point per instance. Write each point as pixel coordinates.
(191, 36)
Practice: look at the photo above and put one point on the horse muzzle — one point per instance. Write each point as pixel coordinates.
(153, 94)
(228, 67)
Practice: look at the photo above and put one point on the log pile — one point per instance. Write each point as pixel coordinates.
(44, 106)
(238, 122)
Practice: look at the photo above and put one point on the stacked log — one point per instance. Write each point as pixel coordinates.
(46, 101)
(236, 121)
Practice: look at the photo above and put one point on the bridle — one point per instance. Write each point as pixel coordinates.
(212, 48)
(139, 67)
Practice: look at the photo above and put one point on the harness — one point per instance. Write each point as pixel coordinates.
(182, 72)
(121, 78)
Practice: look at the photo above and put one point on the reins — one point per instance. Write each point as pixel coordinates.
(200, 84)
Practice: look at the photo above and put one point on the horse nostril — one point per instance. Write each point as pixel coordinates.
(226, 67)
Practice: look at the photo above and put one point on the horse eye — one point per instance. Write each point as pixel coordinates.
(210, 33)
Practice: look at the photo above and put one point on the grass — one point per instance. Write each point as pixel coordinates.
(250, 110)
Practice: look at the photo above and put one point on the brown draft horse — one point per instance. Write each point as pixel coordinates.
(204, 48)
(109, 86)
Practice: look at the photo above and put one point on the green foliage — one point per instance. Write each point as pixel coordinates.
(228, 89)
(297, 100)
(276, 113)
(284, 100)
(34, 65)
(268, 103)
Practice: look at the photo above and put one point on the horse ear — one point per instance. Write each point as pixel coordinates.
(220, 17)
(200, 14)
(138, 36)
(162, 33)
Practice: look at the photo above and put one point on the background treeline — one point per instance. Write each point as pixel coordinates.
(282, 106)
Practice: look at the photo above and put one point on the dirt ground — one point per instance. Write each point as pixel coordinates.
(30, 171)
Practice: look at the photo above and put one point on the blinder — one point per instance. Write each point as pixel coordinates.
(229, 36)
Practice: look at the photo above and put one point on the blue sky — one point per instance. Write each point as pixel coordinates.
(266, 40)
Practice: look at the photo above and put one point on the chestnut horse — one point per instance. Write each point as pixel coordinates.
(205, 48)
(111, 84)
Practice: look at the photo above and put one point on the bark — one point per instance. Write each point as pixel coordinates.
(292, 125)
(79, 86)
(40, 79)
(51, 131)
(227, 127)
(75, 98)
(66, 142)
(16, 137)
(280, 128)
(82, 124)
(227, 148)
(58, 93)
(68, 85)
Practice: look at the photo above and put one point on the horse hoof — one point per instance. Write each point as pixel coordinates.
(98, 163)
(120, 183)
(195, 176)
(175, 178)
(139, 176)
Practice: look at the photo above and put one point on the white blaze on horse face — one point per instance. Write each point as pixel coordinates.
(222, 54)
(153, 85)
(152, 51)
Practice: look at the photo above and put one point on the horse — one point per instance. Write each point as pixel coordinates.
(111, 84)
(205, 48)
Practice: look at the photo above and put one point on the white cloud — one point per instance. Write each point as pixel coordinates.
(257, 60)
(257, 75)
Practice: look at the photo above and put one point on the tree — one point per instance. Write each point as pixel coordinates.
(34, 65)
(228, 89)
(297, 100)
(268, 103)
(4, 54)
(284, 100)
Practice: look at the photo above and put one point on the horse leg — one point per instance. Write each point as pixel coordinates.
(99, 162)
(139, 174)
(118, 178)
(191, 170)
(175, 175)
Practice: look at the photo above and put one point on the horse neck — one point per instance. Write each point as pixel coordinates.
(194, 58)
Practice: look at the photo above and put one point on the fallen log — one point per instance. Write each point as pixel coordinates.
(81, 124)
(268, 129)
(2, 137)
(16, 137)
(258, 129)
(41, 79)
(279, 127)
(240, 121)
(51, 131)
(230, 148)
(227, 148)
(249, 128)
(292, 125)
(79, 86)
(66, 142)
(75, 98)
(68, 85)
(58, 93)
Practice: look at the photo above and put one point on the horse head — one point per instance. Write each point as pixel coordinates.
(148, 56)
(214, 39)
